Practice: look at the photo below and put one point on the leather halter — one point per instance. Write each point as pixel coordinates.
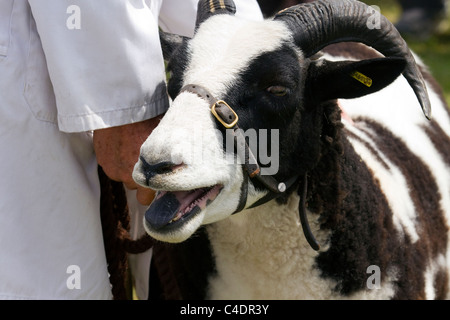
(228, 118)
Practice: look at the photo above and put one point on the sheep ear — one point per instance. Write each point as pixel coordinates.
(328, 80)
(170, 42)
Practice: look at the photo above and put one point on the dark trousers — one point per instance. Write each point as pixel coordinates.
(270, 7)
(429, 5)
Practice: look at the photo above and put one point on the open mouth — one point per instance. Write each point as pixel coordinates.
(173, 208)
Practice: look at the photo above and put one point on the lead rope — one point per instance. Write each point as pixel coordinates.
(115, 220)
(302, 192)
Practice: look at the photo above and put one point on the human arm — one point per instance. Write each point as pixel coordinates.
(107, 74)
(117, 150)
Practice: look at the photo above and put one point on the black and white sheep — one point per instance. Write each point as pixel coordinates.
(357, 158)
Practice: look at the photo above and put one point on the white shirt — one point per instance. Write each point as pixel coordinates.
(67, 68)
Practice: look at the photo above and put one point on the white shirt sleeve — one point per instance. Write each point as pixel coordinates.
(104, 57)
(104, 61)
(170, 13)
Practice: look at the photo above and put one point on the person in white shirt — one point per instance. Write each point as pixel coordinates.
(82, 83)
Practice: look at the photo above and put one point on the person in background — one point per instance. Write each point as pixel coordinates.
(271, 7)
(420, 18)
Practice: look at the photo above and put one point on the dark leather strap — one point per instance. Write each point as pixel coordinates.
(228, 118)
(200, 91)
(303, 217)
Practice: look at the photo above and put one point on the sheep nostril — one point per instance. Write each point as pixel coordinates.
(151, 170)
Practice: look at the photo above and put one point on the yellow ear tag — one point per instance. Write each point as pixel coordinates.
(365, 80)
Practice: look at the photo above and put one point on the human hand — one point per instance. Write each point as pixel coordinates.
(117, 150)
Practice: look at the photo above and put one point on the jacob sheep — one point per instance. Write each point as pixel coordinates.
(356, 156)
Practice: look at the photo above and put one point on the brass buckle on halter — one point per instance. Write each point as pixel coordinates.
(227, 117)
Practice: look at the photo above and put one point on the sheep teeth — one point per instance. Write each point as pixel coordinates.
(177, 217)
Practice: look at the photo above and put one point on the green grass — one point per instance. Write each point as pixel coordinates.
(435, 51)
(436, 55)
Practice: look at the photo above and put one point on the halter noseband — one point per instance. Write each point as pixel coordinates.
(228, 118)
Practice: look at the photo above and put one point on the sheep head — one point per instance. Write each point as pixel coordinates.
(266, 73)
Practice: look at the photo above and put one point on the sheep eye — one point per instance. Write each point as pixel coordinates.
(278, 91)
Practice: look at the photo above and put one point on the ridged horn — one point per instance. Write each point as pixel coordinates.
(208, 8)
(323, 22)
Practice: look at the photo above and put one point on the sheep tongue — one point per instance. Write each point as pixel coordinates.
(168, 205)
(162, 210)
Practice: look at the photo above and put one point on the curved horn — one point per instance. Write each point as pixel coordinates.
(170, 42)
(208, 8)
(320, 23)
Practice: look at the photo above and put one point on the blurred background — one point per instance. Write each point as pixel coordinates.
(425, 25)
(428, 34)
